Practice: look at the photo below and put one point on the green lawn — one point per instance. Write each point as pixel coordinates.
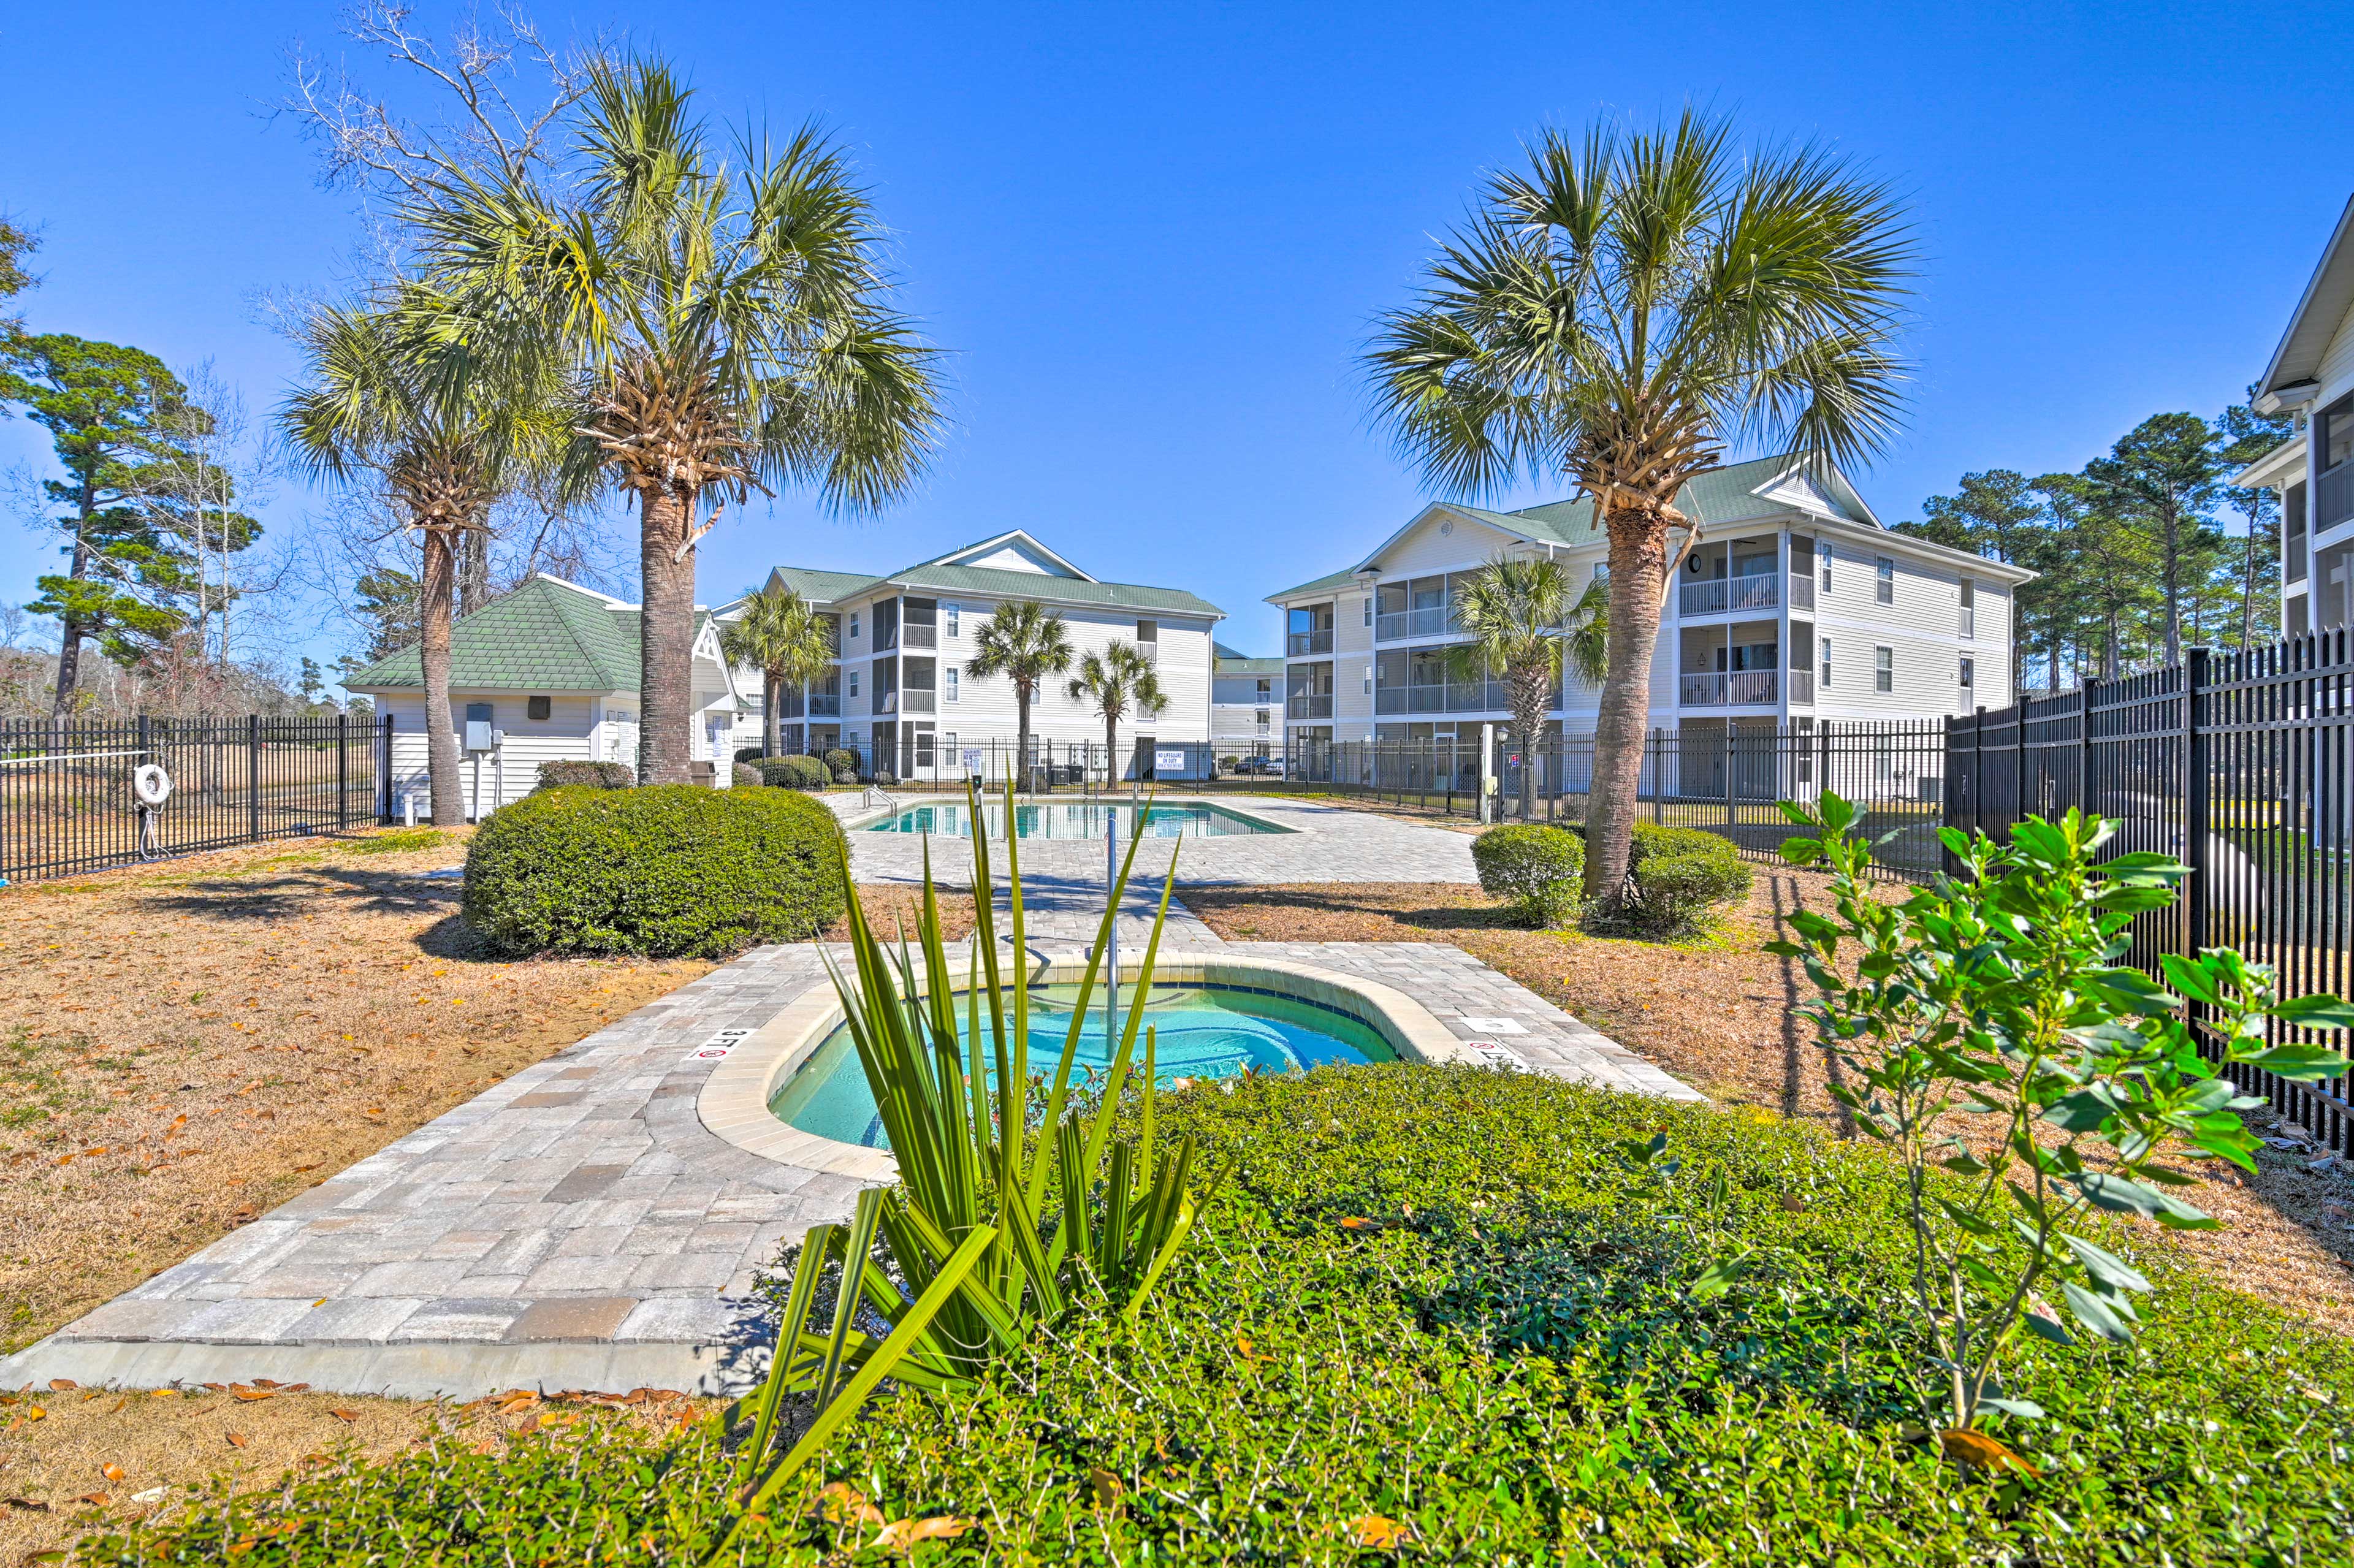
(1439, 1313)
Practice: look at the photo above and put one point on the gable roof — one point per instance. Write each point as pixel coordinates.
(1225, 661)
(818, 587)
(999, 584)
(1019, 537)
(2328, 296)
(548, 635)
(1762, 487)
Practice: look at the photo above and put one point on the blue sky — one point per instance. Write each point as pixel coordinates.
(1152, 236)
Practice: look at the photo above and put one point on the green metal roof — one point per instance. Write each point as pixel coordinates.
(1721, 495)
(824, 588)
(999, 584)
(1225, 661)
(546, 636)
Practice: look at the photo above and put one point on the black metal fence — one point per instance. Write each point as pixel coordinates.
(68, 803)
(944, 760)
(1728, 779)
(2236, 763)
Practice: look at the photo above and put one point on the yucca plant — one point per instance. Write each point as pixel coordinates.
(1013, 1209)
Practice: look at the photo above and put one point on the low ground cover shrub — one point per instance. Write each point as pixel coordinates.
(1537, 867)
(1466, 1315)
(570, 774)
(794, 772)
(668, 871)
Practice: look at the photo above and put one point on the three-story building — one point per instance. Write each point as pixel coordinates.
(1795, 606)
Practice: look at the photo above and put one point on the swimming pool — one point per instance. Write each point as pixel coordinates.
(1076, 819)
(1200, 1030)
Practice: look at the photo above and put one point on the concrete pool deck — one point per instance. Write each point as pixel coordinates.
(579, 1226)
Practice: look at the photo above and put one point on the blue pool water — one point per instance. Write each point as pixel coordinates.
(1076, 819)
(1199, 1031)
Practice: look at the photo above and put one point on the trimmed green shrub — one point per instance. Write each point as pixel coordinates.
(745, 777)
(750, 752)
(793, 772)
(1536, 867)
(843, 765)
(1467, 1269)
(567, 775)
(1679, 875)
(669, 870)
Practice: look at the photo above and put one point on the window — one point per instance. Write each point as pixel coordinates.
(1884, 585)
(951, 676)
(853, 632)
(1266, 689)
(1969, 673)
(952, 610)
(1369, 679)
(853, 675)
(1826, 679)
(1262, 719)
(536, 708)
(1883, 669)
(1823, 551)
(1969, 626)
(1148, 632)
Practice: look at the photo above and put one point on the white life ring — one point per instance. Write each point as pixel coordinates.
(150, 784)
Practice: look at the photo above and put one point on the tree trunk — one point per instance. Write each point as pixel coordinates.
(1021, 768)
(71, 625)
(772, 728)
(1638, 565)
(1111, 751)
(1529, 690)
(665, 638)
(474, 570)
(436, 585)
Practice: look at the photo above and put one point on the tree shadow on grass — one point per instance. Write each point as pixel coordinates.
(1350, 915)
(288, 895)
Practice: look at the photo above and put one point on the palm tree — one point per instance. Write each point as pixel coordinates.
(1028, 644)
(375, 402)
(780, 634)
(1618, 314)
(723, 329)
(1518, 614)
(1111, 682)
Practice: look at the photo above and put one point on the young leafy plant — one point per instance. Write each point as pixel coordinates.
(1997, 992)
(1012, 1210)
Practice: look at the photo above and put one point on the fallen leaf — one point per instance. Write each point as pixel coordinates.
(1985, 1453)
(111, 1471)
(1375, 1533)
(163, 1393)
(901, 1533)
(30, 1505)
(517, 1405)
(838, 1502)
(345, 1414)
(250, 1394)
(237, 1439)
(267, 1383)
(1106, 1485)
(60, 1384)
(34, 1413)
(1794, 1204)
(1359, 1223)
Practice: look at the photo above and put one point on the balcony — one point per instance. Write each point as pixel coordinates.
(1802, 686)
(1149, 651)
(1802, 590)
(1720, 596)
(885, 703)
(1739, 688)
(1300, 643)
(918, 700)
(1310, 706)
(2333, 497)
(921, 636)
(1404, 624)
(825, 704)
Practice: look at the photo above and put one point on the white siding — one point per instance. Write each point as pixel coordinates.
(497, 779)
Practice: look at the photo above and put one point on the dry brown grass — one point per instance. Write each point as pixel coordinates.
(1722, 1015)
(92, 1456)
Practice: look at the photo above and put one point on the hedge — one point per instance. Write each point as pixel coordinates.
(1679, 875)
(671, 870)
(568, 775)
(793, 772)
(843, 765)
(744, 775)
(1536, 867)
(1447, 1301)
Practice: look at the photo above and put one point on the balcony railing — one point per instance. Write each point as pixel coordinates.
(1310, 707)
(1398, 623)
(1719, 596)
(1802, 591)
(887, 702)
(921, 636)
(1738, 688)
(2333, 497)
(916, 700)
(1965, 624)
(825, 704)
(1300, 642)
(1802, 685)
(1149, 651)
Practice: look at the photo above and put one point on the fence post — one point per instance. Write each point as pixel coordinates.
(1978, 771)
(2019, 802)
(253, 777)
(1728, 772)
(2083, 802)
(343, 769)
(2196, 815)
(383, 775)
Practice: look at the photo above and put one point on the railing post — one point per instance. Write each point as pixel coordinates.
(253, 777)
(1978, 771)
(2083, 802)
(1728, 775)
(2197, 820)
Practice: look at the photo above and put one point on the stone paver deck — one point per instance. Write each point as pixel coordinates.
(577, 1226)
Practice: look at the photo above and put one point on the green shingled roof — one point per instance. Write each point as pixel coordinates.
(546, 636)
(1330, 580)
(825, 587)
